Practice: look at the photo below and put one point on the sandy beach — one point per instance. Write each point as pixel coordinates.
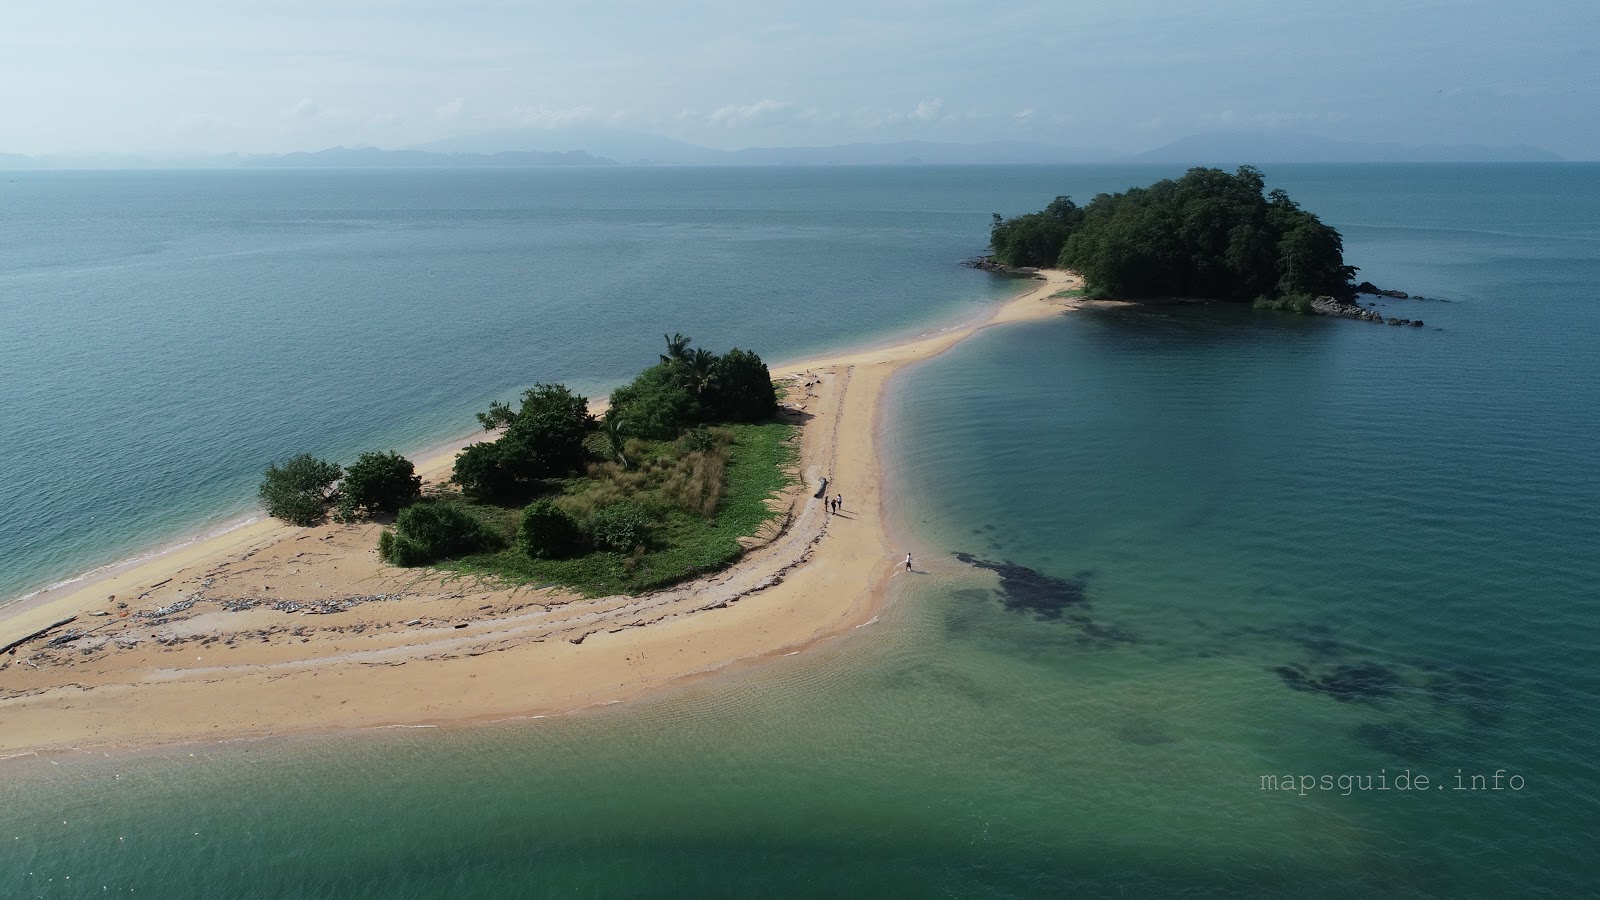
(271, 629)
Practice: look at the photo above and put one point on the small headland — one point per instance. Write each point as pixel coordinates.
(1209, 236)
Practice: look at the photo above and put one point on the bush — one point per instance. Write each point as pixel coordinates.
(547, 532)
(299, 490)
(619, 528)
(380, 482)
(428, 532)
(1298, 303)
(655, 405)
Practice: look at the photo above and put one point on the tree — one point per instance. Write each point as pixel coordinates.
(547, 532)
(744, 391)
(1034, 239)
(543, 439)
(1208, 234)
(677, 347)
(428, 532)
(481, 471)
(380, 483)
(298, 491)
(616, 439)
(698, 372)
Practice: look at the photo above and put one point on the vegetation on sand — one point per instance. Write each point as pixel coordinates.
(298, 491)
(379, 483)
(661, 489)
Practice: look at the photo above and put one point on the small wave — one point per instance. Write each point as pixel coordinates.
(136, 559)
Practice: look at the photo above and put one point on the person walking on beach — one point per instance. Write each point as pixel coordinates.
(838, 502)
(908, 562)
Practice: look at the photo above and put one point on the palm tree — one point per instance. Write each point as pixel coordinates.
(699, 370)
(677, 347)
(611, 427)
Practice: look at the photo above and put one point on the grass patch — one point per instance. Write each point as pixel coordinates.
(701, 492)
(1068, 293)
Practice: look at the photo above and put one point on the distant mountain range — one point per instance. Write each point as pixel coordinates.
(373, 158)
(610, 147)
(1288, 147)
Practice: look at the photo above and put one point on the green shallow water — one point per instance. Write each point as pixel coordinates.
(1196, 498)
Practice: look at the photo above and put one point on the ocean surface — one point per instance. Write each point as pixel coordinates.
(1162, 553)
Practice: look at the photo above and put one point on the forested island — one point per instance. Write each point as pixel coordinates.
(658, 489)
(1208, 235)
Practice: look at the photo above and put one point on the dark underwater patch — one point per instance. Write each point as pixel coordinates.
(1479, 698)
(1026, 590)
(1052, 599)
(1398, 739)
(1366, 682)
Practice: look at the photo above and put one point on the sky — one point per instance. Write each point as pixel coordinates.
(216, 76)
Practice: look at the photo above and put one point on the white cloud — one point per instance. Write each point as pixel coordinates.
(766, 110)
(458, 109)
(925, 112)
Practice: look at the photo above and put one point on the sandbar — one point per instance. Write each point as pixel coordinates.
(270, 629)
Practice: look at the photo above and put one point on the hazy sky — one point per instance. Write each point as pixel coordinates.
(274, 75)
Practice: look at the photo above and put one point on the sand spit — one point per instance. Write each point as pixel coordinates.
(270, 629)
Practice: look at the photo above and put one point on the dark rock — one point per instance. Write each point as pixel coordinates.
(1367, 287)
(988, 264)
(1345, 309)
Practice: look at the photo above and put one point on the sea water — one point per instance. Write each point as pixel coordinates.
(1162, 553)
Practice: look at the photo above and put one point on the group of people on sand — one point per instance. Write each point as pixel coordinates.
(833, 505)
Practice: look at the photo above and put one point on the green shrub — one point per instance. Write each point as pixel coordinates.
(428, 532)
(619, 528)
(655, 405)
(380, 482)
(299, 490)
(547, 532)
(1298, 303)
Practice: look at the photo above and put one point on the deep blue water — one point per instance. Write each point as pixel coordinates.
(1405, 516)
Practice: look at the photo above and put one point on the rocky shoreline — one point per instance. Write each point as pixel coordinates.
(1350, 309)
(988, 264)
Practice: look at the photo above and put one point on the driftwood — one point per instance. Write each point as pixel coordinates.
(823, 489)
(37, 634)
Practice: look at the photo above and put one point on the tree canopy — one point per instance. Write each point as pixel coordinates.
(379, 483)
(692, 385)
(1208, 234)
(542, 439)
(298, 491)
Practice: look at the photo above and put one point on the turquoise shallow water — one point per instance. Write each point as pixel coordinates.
(1199, 500)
